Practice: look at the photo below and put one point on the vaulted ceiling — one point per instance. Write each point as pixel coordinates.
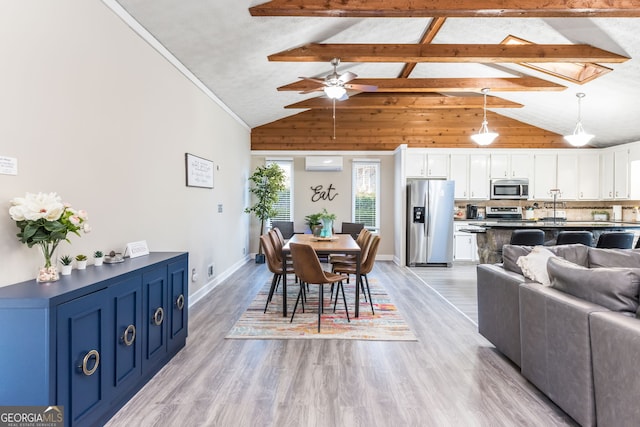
(428, 59)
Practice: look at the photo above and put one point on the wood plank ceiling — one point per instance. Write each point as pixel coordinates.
(423, 112)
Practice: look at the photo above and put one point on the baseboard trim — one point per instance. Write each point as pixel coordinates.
(211, 285)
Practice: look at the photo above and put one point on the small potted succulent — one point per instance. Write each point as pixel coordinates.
(98, 258)
(66, 261)
(81, 261)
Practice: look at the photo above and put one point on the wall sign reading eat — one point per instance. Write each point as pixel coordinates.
(320, 193)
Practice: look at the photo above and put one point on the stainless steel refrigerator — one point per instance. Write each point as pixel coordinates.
(429, 222)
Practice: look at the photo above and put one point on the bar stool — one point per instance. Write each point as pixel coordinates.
(615, 240)
(527, 237)
(570, 237)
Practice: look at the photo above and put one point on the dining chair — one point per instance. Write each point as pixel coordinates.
(366, 265)
(363, 240)
(352, 228)
(285, 228)
(615, 240)
(571, 237)
(274, 265)
(307, 267)
(527, 237)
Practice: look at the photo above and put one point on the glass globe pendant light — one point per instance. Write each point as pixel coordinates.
(579, 137)
(484, 137)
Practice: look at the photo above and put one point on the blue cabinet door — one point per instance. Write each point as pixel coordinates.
(82, 347)
(126, 332)
(178, 297)
(154, 344)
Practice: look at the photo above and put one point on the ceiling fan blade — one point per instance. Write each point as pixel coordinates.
(347, 77)
(312, 79)
(315, 89)
(344, 97)
(361, 88)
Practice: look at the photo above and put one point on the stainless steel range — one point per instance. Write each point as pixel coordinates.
(504, 213)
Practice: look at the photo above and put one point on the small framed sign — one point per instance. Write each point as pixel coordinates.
(136, 249)
(199, 171)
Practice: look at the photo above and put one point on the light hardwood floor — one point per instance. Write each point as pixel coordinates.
(451, 377)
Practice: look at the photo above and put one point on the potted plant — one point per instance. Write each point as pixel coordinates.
(327, 223)
(314, 223)
(81, 261)
(66, 261)
(266, 182)
(98, 258)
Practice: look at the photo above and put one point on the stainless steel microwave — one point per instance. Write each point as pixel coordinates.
(509, 189)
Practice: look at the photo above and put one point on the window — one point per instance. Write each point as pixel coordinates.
(285, 197)
(366, 193)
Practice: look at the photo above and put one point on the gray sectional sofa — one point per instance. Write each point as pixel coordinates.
(571, 323)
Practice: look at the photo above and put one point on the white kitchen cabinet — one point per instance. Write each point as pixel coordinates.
(425, 165)
(567, 176)
(459, 173)
(479, 176)
(614, 177)
(507, 166)
(465, 247)
(589, 176)
(544, 176)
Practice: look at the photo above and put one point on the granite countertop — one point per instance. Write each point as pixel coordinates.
(556, 224)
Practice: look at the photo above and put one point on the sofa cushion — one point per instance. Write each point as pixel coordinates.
(576, 253)
(615, 288)
(614, 258)
(534, 265)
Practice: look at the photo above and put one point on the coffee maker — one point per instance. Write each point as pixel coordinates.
(472, 211)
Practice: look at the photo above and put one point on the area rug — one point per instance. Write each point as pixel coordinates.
(385, 325)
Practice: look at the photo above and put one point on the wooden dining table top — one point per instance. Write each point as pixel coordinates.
(337, 243)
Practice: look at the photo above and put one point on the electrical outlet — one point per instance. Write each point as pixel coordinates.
(210, 270)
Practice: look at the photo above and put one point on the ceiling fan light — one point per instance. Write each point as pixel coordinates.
(335, 92)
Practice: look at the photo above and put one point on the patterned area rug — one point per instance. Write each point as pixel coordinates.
(386, 325)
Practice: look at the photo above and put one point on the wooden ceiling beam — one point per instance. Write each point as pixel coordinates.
(451, 85)
(429, 34)
(404, 101)
(460, 8)
(448, 53)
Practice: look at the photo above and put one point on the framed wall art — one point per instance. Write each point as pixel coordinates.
(199, 171)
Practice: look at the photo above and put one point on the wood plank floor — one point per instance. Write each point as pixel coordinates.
(451, 377)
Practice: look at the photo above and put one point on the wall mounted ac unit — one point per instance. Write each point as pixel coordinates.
(323, 163)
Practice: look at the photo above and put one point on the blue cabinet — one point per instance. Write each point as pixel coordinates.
(91, 340)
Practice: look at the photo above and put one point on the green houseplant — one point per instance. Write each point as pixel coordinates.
(98, 258)
(81, 261)
(266, 182)
(313, 220)
(66, 261)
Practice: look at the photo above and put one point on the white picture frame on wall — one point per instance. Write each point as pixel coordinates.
(199, 171)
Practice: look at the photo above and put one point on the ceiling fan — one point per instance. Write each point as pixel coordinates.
(335, 85)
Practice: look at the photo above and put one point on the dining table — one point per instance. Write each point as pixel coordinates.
(336, 244)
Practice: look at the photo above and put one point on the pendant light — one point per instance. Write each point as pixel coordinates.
(484, 137)
(579, 137)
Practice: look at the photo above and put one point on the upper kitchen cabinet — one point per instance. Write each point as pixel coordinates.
(479, 176)
(567, 176)
(420, 164)
(589, 175)
(614, 173)
(460, 175)
(544, 176)
(510, 165)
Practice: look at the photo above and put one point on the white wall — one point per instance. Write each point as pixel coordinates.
(92, 112)
(341, 204)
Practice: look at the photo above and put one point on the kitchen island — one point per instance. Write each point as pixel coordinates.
(492, 235)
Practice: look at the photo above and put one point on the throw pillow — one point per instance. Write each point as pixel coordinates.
(534, 265)
(511, 254)
(614, 258)
(615, 288)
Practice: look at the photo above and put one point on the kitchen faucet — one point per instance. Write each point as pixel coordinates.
(555, 192)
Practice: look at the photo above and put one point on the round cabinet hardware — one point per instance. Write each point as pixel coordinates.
(93, 354)
(158, 316)
(129, 335)
(180, 302)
